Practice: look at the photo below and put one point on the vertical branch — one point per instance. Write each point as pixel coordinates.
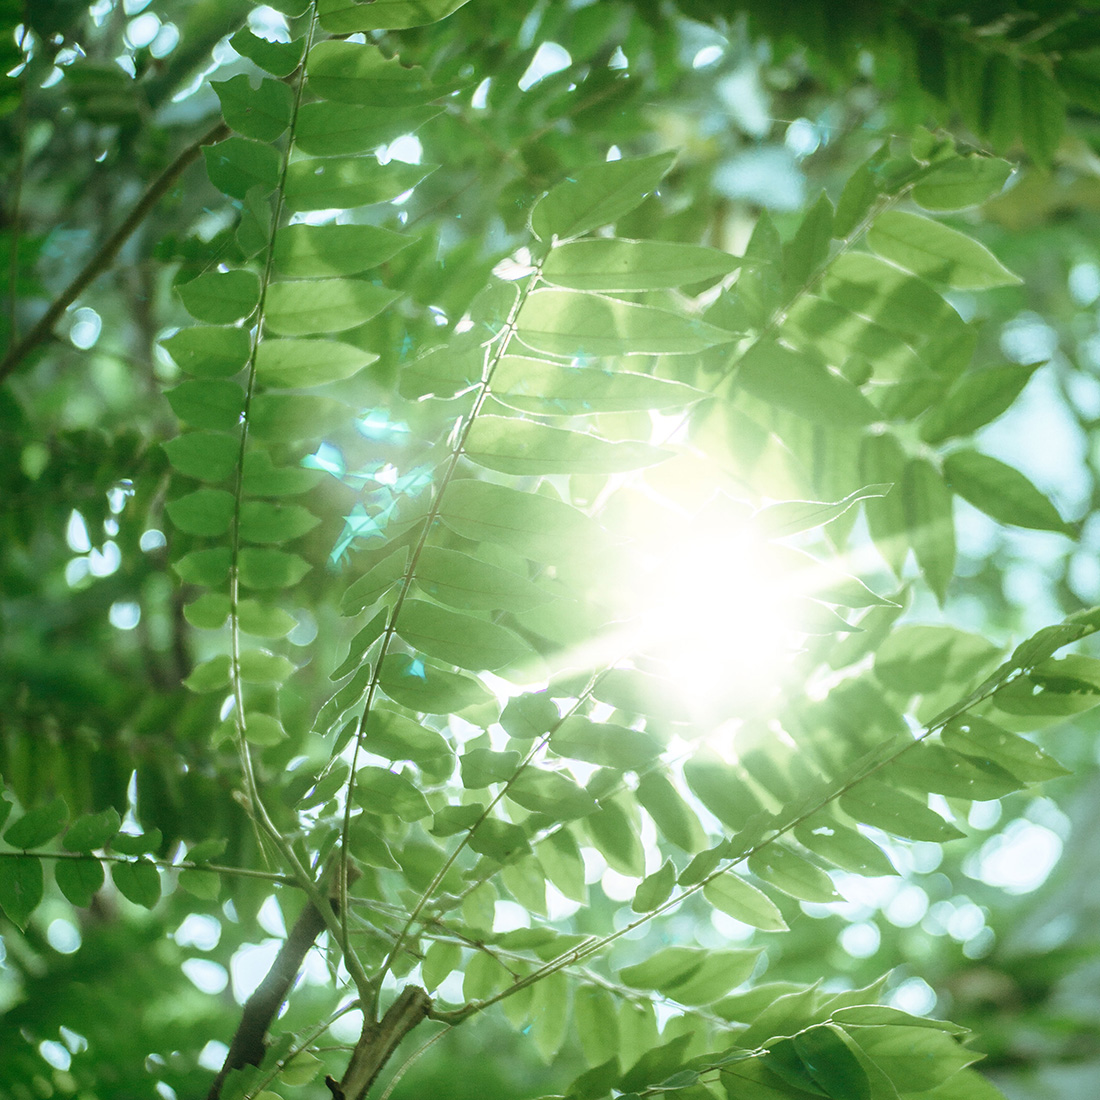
(14, 215)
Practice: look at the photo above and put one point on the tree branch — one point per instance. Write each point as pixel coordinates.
(107, 251)
(247, 1047)
(378, 1041)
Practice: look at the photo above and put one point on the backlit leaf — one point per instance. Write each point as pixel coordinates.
(315, 251)
(204, 455)
(238, 164)
(596, 195)
(1001, 492)
(465, 582)
(78, 879)
(138, 881)
(331, 129)
(92, 831)
(608, 263)
(586, 326)
(930, 523)
(262, 113)
(355, 72)
(936, 252)
(349, 16)
(424, 686)
(323, 305)
(744, 902)
(218, 298)
(21, 887)
(959, 182)
(278, 58)
(263, 521)
(875, 803)
(203, 512)
(303, 363)
(216, 404)
(786, 870)
(208, 351)
(328, 182)
(263, 568)
(655, 888)
(38, 826)
(460, 640)
(977, 398)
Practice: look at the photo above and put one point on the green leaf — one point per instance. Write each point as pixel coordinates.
(350, 72)
(263, 621)
(860, 192)
(39, 825)
(1001, 492)
(875, 803)
(316, 251)
(846, 848)
(219, 298)
(670, 813)
(349, 16)
(719, 787)
(724, 970)
(278, 58)
(608, 263)
(216, 404)
(363, 592)
(323, 305)
(264, 521)
(138, 881)
(552, 389)
(825, 1053)
(742, 901)
(786, 870)
(358, 646)
(465, 582)
(978, 397)
(1042, 114)
(262, 113)
(263, 730)
(751, 1079)
(653, 1066)
(329, 182)
(602, 743)
(208, 351)
(136, 844)
(263, 568)
(439, 960)
(935, 252)
(587, 326)
(304, 363)
(462, 640)
(665, 969)
(332, 129)
(423, 686)
(809, 248)
(959, 182)
(202, 884)
(396, 737)
(776, 374)
(930, 523)
(789, 517)
(78, 879)
(258, 666)
(92, 831)
(21, 888)
(523, 447)
(560, 858)
(552, 793)
(263, 479)
(597, 195)
(931, 768)
(654, 889)
(286, 418)
(917, 658)
(914, 1058)
(237, 164)
(203, 512)
(550, 1011)
(203, 455)
(614, 831)
(206, 567)
(981, 739)
(209, 675)
(528, 716)
(382, 792)
(534, 525)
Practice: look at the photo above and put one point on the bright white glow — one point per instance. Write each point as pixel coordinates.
(1017, 860)
(124, 615)
(76, 571)
(102, 563)
(152, 540)
(614, 153)
(142, 30)
(167, 39)
(558, 906)
(508, 916)
(708, 55)
(907, 907)
(265, 22)
(87, 325)
(207, 976)
(965, 922)
(199, 930)
(406, 148)
(619, 59)
(212, 1056)
(914, 996)
(76, 534)
(76, 1042)
(730, 928)
(54, 1053)
(270, 917)
(549, 58)
(1084, 283)
(861, 940)
(619, 887)
(347, 1028)
(132, 7)
(63, 936)
(984, 815)
(802, 137)
(248, 967)
(480, 99)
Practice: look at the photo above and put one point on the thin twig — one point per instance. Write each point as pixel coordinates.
(107, 251)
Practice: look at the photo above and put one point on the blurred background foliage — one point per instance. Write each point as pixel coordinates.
(766, 104)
